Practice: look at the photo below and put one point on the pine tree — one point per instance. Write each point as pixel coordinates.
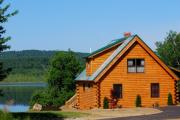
(138, 101)
(4, 16)
(105, 103)
(170, 101)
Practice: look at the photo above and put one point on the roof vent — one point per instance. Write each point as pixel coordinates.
(127, 34)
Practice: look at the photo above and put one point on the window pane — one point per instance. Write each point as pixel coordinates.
(140, 69)
(155, 90)
(140, 62)
(131, 69)
(117, 90)
(131, 62)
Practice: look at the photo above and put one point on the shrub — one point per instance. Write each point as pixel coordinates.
(105, 103)
(113, 99)
(170, 101)
(5, 116)
(138, 101)
(50, 98)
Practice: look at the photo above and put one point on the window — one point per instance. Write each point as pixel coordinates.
(117, 90)
(135, 65)
(86, 86)
(154, 90)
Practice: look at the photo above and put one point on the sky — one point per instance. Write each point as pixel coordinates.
(84, 24)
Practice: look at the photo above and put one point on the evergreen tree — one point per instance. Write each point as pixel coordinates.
(170, 101)
(105, 103)
(4, 16)
(138, 101)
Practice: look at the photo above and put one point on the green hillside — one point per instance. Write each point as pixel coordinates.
(29, 65)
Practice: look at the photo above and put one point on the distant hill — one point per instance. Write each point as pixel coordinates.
(29, 65)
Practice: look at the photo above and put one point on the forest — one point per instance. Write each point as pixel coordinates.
(29, 65)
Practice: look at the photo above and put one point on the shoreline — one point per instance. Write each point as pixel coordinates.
(43, 84)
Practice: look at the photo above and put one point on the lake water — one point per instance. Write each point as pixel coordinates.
(16, 96)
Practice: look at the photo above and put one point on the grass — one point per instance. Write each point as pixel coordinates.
(24, 78)
(43, 115)
(47, 115)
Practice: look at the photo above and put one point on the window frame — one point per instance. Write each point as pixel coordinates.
(155, 95)
(135, 59)
(120, 96)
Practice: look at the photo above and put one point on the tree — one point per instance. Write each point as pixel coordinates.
(169, 49)
(105, 103)
(4, 16)
(138, 101)
(170, 101)
(63, 69)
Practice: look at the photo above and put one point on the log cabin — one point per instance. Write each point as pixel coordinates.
(129, 68)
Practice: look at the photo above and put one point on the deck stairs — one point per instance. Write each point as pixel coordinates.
(71, 103)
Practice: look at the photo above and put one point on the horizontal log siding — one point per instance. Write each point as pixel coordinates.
(87, 98)
(97, 60)
(137, 83)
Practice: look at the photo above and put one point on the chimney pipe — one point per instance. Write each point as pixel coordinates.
(127, 34)
(90, 50)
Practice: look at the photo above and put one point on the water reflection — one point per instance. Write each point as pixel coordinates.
(16, 97)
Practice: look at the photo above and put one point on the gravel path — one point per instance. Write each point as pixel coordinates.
(168, 113)
(95, 114)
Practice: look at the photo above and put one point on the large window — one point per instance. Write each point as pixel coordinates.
(154, 90)
(135, 65)
(117, 90)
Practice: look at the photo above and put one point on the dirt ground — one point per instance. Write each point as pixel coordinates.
(95, 114)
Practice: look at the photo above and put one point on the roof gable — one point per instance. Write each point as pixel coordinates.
(148, 50)
(118, 53)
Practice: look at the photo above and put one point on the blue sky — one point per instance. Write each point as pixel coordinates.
(84, 24)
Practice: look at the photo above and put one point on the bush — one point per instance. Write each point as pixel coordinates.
(50, 98)
(138, 101)
(170, 101)
(105, 103)
(5, 116)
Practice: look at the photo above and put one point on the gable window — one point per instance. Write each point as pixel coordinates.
(86, 86)
(117, 90)
(154, 90)
(135, 65)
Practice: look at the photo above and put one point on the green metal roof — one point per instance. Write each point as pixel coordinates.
(112, 43)
(83, 77)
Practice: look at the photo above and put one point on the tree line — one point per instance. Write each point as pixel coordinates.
(30, 65)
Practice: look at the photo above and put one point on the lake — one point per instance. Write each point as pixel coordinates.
(16, 96)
